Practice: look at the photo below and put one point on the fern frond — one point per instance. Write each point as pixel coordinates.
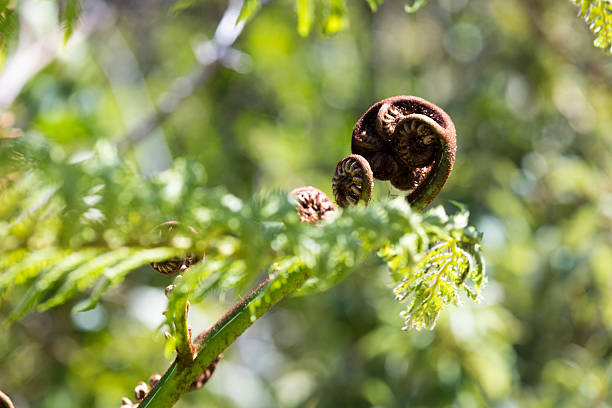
(598, 16)
(70, 17)
(30, 266)
(85, 276)
(48, 280)
(116, 274)
(97, 222)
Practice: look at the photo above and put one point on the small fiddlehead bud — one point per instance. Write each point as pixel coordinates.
(174, 265)
(353, 181)
(410, 142)
(312, 204)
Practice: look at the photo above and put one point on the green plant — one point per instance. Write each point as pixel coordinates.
(333, 15)
(75, 223)
(598, 16)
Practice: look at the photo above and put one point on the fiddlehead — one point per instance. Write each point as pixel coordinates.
(312, 204)
(353, 181)
(410, 142)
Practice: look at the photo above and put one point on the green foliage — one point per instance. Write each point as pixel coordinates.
(86, 231)
(181, 5)
(8, 27)
(532, 115)
(440, 273)
(415, 6)
(70, 17)
(336, 19)
(305, 15)
(374, 4)
(598, 15)
(70, 11)
(332, 13)
(249, 8)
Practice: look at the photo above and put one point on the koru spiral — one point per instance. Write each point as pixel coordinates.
(312, 204)
(353, 181)
(410, 142)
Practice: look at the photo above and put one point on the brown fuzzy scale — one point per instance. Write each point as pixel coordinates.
(410, 142)
(313, 204)
(352, 181)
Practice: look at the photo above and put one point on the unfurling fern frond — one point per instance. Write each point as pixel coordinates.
(72, 226)
(598, 16)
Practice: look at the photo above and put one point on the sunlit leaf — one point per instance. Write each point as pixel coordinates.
(305, 14)
(597, 14)
(415, 6)
(374, 4)
(70, 17)
(337, 18)
(249, 8)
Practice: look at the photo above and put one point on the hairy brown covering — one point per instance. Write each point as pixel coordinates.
(353, 181)
(410, 142)
(313, 204)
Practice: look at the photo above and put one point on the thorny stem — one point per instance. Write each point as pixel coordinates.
(212, 342)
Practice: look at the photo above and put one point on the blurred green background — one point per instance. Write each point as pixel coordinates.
(532, 103)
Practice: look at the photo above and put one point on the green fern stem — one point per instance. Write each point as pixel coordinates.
(211, 343)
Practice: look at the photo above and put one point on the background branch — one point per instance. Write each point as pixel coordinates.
(212, 55)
